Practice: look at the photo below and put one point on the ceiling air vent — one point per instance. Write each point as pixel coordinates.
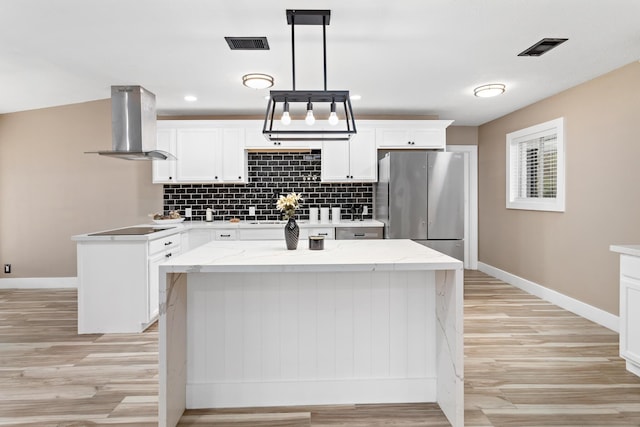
(542, 47)
(247, 43)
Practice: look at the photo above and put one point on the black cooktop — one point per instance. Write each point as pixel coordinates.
(129, 231)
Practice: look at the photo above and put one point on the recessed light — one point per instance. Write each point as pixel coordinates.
(190, 98)
(355, 97)
(487, 91)
(257, 80)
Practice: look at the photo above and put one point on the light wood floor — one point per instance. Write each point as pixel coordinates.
(527, 363)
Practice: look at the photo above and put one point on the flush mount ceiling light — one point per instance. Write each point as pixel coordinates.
(190, 98)
(257, 81)
(310, 102)
(487, 91)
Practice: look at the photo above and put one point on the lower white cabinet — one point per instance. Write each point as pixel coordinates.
(118, 283)
(630, 312)
(200, 236)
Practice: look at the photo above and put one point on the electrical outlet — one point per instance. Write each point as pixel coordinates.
(252, 211)
(187, 212)
(7, 268)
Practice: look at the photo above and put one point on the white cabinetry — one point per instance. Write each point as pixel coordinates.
(164, 171)
(159, 251)
(414, 134)
(201, 236)
(351, 161)
(118, 282)
(256, 141)
(206, 151)
(629, 312)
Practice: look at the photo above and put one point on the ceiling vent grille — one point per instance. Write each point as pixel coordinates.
(247, 43)
(542, 47)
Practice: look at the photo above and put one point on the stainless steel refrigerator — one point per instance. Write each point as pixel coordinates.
(420, 196)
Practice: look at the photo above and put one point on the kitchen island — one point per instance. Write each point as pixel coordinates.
(249, 323)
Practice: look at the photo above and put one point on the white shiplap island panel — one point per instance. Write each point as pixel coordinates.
(252, 324)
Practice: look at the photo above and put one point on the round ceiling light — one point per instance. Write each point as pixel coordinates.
(190, 98)
(487, 91)
(257, 80)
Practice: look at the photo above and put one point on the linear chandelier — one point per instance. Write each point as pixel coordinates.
(280, 101)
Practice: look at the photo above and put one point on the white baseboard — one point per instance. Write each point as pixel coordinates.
(601, 317)
(39, 283)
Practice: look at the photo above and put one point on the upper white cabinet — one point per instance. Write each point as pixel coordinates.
(206, 151)
(351, 161)
(165, 170)
(410, 134)
(256, 141)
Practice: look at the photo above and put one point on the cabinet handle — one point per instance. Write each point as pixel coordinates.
(168, 255)
(323, 234)
(358, 234)
(225, 235)
(347, 176)
(168, 243)
(239, 177)
(215, 177)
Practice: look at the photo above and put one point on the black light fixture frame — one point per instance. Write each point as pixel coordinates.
(309, 17)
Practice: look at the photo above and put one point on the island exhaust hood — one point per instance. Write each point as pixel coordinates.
(133, 125)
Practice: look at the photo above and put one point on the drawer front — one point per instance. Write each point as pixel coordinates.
(226, 234)
(261, 233)
(630, 266)
(164, 243)
(328, 233)
(352, 233)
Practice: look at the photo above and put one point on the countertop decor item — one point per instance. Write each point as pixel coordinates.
(288, 205)
(316, 243)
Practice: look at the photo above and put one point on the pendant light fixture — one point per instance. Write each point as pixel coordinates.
(280, 100)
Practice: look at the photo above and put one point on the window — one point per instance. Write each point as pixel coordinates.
(535, 167)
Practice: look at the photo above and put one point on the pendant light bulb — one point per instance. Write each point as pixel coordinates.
(286, 118)
(309, 119)
(333, 117)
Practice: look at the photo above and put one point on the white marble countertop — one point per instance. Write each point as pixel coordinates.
(626, 249)
(187, 225)
(338, 255)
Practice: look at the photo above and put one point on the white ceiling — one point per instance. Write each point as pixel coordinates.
(419, 57)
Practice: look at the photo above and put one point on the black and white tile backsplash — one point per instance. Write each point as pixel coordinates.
(270, 174)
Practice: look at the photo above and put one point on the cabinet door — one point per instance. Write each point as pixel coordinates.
(335, 161)
(363, 156)
(428, 138)
(198, 156)
(234, 167)
(153, 287)
(411, 138)
(393, 138)
(198, 237)
(165, 171)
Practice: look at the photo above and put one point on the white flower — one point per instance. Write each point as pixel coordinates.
(288, 204)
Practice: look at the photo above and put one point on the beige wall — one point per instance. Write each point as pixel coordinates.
(569, 252)
(50, 190)
(462, 135)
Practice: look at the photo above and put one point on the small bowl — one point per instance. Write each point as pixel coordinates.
(316, 243)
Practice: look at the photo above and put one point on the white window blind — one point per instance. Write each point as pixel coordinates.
(535, 169)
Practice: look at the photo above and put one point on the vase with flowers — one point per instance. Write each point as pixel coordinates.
(288, 205)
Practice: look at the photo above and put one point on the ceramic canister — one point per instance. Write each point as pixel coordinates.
(324, 215)
(313, 215)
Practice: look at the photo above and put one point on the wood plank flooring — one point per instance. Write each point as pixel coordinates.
(527, 363)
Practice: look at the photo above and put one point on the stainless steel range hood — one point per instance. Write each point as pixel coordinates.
(133, 125)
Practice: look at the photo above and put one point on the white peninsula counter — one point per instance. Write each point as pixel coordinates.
(248, 323)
